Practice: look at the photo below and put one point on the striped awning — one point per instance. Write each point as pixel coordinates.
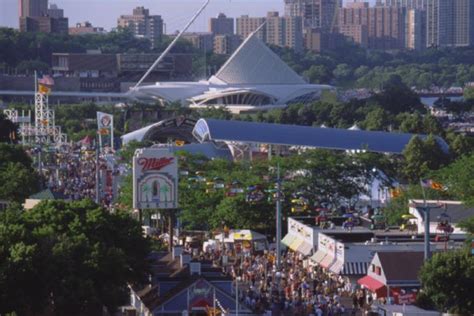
(296, 243)
(355, 268)
(336, 267)
(288, 239)
(305, 248)
(318, 256)
(327, 261)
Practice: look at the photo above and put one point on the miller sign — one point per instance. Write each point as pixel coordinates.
(155, 179)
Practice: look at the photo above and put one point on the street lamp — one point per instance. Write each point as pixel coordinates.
(426, 211)
(237, 280)
(278, 197)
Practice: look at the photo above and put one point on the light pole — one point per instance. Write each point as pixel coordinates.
(426, 212)
(278, 219)
(237, 279)
(97, 174)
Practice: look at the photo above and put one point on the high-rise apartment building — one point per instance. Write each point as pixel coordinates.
(283, 31)
(450, 23)
(385, 25)
(203, 41)
(415, 20)
(409, 4)
(142, 24)
(319, 14)
(55, 12)
(246, 25)
(318, 41)
(35, 16)
(44, 24)
(31, 8)
(222, 25)
(415, 29)
(226, 44)
(358, 33)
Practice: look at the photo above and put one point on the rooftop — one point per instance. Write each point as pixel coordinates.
(305, 136)
(392, 261)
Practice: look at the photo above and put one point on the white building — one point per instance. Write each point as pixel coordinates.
(454, 210)
(254, 78)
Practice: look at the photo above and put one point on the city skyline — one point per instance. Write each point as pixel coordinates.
(170, 10)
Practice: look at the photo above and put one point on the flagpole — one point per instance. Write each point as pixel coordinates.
(112, 133)
(36, 83)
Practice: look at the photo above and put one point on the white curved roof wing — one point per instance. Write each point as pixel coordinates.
(254, 63)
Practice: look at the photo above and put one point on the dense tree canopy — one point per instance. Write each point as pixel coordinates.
(8, 130)
(421, 156)
(321, 177)
(448, 281)
(18, 180)
(458, 178)
(68, 259)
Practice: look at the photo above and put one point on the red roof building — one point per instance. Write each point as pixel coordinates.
(395, 273)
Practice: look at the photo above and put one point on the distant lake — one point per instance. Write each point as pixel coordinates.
(429, 101)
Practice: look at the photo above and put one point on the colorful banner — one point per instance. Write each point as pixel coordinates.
(155, 179)
(105, 128)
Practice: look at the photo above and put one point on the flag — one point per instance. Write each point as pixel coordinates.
(45, 84)
(437, 186)
(46, 81)
(43, 89)
(428, 183)
(395, 192)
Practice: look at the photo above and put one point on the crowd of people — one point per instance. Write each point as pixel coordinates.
(297, 288)
(71, 172)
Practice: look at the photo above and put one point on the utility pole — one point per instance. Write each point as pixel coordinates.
(278, 219)
(426, 211)
(97, 177)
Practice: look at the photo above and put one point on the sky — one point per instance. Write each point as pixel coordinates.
(175, 13)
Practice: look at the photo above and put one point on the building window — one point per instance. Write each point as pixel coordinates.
(378, 270)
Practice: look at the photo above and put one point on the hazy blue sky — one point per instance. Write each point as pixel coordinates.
(175, 12)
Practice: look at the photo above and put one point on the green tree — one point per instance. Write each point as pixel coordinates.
(318, 74)
(8, 130)
(18, 180)
(421, 157)
(342, 72)
(469, 93)
(448, 280)
(468, 226)
(397, 97)
(415, 160)
(460, 145)
(376, 120)
(410, 123)
(431, 125)
(457, 177)
(69, 259)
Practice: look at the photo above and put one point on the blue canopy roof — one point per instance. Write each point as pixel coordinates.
(292, 135)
